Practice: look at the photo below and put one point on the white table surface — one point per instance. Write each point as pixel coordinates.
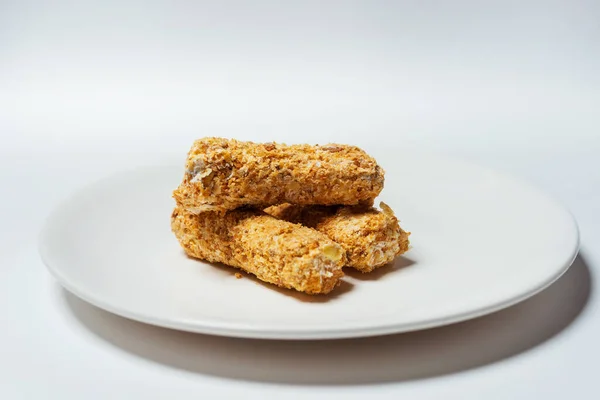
(95, 87)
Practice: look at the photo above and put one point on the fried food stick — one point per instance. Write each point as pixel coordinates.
(224, 174)
(276, 251)
(371, 238)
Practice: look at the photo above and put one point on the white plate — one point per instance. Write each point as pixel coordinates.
(481, 242)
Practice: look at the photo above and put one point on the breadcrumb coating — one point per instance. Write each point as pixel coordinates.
(276, 251)
(371, 238)
(223, 174)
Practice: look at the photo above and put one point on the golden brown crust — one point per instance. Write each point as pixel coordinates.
(276, 251)
(224, 174)
(371, 238)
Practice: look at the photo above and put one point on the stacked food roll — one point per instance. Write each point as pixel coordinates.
(291, 215)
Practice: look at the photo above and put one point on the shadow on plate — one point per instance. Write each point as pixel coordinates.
(396, 265)
(393, 358)
(342, 288)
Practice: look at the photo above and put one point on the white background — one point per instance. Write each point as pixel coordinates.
(88, 88)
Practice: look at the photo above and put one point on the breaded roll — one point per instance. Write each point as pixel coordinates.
(371, 238)
(276, 251)
(224, 174)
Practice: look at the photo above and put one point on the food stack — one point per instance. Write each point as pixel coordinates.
(291, 215)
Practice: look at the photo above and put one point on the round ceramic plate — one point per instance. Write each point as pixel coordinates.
(480, 242)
